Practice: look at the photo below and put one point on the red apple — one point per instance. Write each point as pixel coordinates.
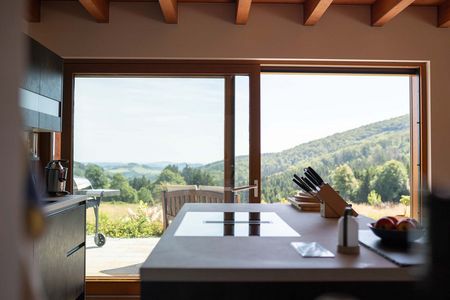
(394, 219)
(385, 224)
(414, 221)
(405, 225)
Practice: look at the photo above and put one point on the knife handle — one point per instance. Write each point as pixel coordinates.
(316, 176)
(301, 186)
(310, 184)
(311, 178)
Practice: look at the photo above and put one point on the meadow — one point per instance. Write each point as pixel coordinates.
(117, 212)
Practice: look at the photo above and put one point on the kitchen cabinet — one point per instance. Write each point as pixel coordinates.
(42, 87)
(60, 253)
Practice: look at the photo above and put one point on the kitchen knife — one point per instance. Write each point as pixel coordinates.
(316, 176)
(302, 182)
(310, 184)
(311, 178)
(312, 187)
(303, 187)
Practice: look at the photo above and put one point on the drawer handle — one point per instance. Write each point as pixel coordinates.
(74, 249)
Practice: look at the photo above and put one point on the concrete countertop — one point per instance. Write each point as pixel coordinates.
(264, 259)
(55, 204)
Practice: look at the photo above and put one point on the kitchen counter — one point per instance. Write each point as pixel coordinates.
(253, 258)
(262, 265)
(52, 205)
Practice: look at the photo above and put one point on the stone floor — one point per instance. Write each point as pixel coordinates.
(118, 257)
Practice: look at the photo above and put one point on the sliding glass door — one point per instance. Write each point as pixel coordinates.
(146, 145)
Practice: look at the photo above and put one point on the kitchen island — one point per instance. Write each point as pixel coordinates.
(189, 265)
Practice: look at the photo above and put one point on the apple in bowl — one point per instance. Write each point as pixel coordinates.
(397, 230)
(386, 223)
(406, 225)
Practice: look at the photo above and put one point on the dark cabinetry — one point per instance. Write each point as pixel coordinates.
(60, 254)
(32, 76)
(41, 92)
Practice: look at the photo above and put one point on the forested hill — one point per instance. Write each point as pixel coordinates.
(370, 141)
(362, 148)
(372, 158)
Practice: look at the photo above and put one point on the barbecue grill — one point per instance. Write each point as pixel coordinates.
(82, 186)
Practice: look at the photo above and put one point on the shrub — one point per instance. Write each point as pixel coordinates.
(405, 200)
(374, 199)
(135, 226)
(145, 195)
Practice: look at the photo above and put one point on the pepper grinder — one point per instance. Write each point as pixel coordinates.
(348, 233)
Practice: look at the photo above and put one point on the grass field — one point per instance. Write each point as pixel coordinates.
(119, 210)
(388, 209)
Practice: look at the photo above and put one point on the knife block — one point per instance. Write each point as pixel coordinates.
(327, 212)
(331, 203)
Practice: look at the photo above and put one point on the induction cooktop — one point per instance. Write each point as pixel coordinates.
(216, 224)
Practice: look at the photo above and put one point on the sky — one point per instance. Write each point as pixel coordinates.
(181, 119)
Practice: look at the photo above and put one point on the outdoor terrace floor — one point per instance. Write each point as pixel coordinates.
(118, 257)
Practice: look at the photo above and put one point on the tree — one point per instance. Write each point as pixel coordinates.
(364, 186)
(139, 182)
(170, 175)
(344, 181)
(145, 195)
(391, 181)
(127, 193)
(96, 176)
(79, 169)
(197, 176)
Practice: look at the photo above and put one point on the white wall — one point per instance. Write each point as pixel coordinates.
(11, 149)
(137, 30)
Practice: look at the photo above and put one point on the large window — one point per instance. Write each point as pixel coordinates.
(223, 125)
(353, 129)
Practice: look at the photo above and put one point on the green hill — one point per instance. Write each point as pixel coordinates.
(129, 170)
(362, 148)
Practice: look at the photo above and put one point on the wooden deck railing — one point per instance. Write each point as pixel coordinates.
(174, 197)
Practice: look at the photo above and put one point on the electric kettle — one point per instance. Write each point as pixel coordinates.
(56, 177)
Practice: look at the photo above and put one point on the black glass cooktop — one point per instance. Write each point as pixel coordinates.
(266, 224)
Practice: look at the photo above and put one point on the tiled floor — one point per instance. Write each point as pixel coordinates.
(118, 257)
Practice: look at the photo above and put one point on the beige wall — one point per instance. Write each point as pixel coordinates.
(136, 30)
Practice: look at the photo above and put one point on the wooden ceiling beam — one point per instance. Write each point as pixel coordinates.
(33, 11)
(313, 10)
(99, 9)
(385, 10)
(242, 11)
(444, 14)
(170, 10)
